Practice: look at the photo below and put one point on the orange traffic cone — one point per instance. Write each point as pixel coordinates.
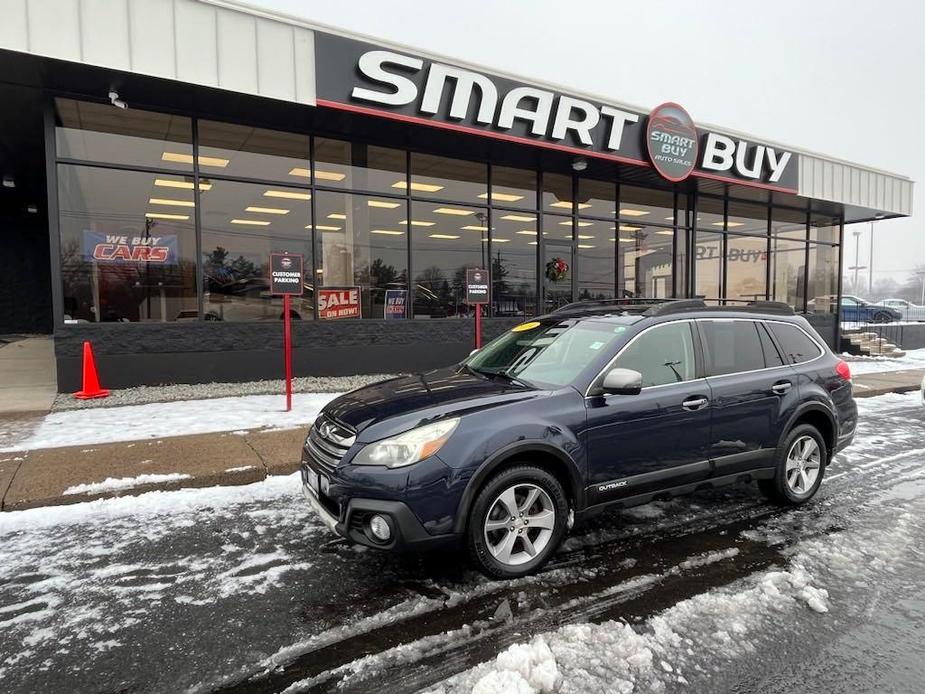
(91, 387)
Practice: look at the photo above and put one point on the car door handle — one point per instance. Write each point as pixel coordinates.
(695, 403)
(782, 388)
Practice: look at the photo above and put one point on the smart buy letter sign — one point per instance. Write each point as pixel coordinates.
(365, 78)
(286, 274)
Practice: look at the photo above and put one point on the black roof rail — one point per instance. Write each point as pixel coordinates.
(677, 306)
(772, 307)
(609, 303)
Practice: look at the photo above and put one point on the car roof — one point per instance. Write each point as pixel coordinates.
(632, 311)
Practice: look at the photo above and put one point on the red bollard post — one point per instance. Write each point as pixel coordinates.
(287, 349)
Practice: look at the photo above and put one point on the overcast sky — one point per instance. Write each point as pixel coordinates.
(844, 78)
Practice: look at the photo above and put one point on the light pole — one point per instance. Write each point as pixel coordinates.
(857, 258)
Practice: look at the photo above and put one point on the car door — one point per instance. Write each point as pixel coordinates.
(850, 310)
(658, 438)
(754, 392)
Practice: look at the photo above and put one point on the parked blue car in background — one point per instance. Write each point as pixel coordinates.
(856, 310)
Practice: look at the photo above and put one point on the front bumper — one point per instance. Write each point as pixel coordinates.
(408, 534)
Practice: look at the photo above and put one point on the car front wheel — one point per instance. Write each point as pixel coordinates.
(517, 521)
(800, 466)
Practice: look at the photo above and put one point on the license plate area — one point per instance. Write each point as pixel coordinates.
(315, 481)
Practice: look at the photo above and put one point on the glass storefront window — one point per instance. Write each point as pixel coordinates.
(362, 244)
(128, 249)
(448, 179)
(255, 152)
(644, 256)
(595, 269)
(788, 261)
(357, 166)
(240, 229)
(709, 265)
(558, 268)
(746, 267)
(822, 290)
(513, 187)
(824, 228)
(513, 263)
(710, 215)
(747, 219)
(788, 223)
(600, 196)
(556, 228)
(646, 206)
(557, 194)
(445, 241)
(102, 133)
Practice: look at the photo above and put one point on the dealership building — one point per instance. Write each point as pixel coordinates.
(154, 153)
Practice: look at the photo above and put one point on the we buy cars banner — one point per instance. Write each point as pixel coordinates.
(117, 248)
(334, 304)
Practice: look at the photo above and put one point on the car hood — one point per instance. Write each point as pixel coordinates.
(401, 403)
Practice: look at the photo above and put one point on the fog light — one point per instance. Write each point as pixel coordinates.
(379, 527)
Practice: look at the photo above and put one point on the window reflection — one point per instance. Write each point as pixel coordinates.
(102, 133)
(599, 196)
(128, 249)
(595, 260)
(708, 258)
(747, 219)
(443, 245)
(513, 263)
(241, 226)
(823, 278)
(557, 194)
(709, 214)
(746, 268)
(513, 187)
(788, 261)
(646, 206)
(788, 223)
(362, 244)
(449, 179)
(824, 228)
(645, 258)
(254, 152)
(357, 166)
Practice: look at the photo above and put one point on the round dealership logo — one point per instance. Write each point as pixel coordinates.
(285, 262)
(671, 139)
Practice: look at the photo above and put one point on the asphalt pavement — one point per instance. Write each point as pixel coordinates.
(241, 589)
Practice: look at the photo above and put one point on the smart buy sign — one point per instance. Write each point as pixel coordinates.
(365, 78)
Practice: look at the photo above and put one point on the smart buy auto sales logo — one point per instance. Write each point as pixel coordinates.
(671, 140)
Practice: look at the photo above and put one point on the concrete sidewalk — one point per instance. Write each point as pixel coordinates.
(41, 477)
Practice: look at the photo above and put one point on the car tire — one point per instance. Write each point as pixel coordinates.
(793, 483)
(882, 317)
(500, 542)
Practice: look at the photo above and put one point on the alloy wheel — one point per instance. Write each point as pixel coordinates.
(519, 524)
(803, 464)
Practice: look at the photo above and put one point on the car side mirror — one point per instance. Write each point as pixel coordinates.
(622, 382)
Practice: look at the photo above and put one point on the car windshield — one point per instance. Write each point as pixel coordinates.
(550, 353)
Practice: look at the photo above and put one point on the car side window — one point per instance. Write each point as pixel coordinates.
(731, 346)
(664, 354)
(771, 356)
(797, 345)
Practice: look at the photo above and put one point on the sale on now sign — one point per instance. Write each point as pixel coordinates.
(339, 303)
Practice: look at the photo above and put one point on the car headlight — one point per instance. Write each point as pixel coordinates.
(408, 448)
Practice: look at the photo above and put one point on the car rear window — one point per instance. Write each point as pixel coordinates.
(797, 345)
(731, 346)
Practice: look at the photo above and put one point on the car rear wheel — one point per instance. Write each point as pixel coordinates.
(800, 466)
(517, 521)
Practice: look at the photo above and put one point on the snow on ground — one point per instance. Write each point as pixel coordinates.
(914, 359)
(158, 420)
(114, 483)
(671, 648)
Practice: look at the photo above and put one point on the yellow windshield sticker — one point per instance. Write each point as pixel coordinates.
(523, 327)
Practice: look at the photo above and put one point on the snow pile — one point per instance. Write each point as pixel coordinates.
(521, 669)
(158, 420)
(117, 483)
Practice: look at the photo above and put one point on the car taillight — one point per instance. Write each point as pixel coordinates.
(843, 370)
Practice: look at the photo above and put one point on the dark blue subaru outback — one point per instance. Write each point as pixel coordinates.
(592, 405)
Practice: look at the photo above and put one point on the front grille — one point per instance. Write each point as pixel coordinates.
(327, 442)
